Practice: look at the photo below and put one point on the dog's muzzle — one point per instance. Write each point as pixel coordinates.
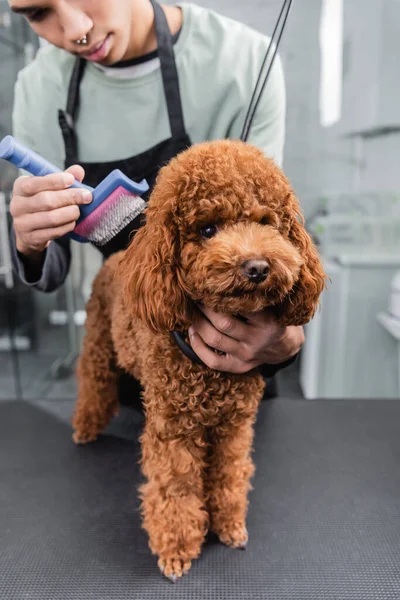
(255, 270)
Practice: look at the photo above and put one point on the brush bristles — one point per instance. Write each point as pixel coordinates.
(111, 217)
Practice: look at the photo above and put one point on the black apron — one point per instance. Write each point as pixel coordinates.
(142, 166)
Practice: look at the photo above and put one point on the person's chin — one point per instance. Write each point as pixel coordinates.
(115, 55)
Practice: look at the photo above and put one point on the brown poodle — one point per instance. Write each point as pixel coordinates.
(223, 227)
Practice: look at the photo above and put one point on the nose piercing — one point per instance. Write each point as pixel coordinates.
(82, 40)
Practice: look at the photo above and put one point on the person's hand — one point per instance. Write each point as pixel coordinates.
(242, 346)
(45, 208)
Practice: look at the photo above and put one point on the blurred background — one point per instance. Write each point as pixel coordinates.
(340, 59)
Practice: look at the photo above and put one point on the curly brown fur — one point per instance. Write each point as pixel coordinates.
(214, 207)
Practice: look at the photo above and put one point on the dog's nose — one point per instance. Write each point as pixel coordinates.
(255, 270)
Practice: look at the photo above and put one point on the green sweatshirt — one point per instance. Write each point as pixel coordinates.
(218, 62)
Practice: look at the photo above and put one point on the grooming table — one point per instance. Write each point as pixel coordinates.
(324, 518)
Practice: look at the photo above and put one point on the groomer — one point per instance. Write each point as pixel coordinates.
(129, 84)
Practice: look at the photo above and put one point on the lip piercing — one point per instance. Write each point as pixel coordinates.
(82, 41)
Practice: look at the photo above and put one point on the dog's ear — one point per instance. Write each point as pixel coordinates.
(301, 303)
(149, 273)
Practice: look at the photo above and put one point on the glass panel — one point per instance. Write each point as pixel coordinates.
(17, 46)
(38, 345)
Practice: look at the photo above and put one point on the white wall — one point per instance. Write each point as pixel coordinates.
(318, 159)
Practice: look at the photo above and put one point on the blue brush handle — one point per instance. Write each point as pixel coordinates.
(24, 158)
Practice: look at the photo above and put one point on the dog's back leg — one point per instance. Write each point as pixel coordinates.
(97, 374)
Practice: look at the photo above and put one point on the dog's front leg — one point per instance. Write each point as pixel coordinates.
(228, 481)
(173, 509)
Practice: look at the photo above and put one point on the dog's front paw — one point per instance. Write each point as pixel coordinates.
(174, 568)
(81, 437)
(234, 535)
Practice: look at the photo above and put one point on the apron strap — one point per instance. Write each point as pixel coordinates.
(169, 72)
(67, 118)
(73, 90)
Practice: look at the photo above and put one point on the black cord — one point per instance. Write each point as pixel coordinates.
(261, 70)
(251, 112)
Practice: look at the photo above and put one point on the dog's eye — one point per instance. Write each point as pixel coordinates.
(209, 231)
(264, 221)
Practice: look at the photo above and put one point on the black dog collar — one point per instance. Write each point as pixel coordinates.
(186, 349)
(266, 370)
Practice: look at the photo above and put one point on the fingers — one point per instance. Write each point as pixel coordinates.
(46, 208)
(47, 220)
(45, 235)
(47, 200)
(30, 185)
(77, 171)
(228, 325)
(214, 338)
(37, 241)
(264, 318)
(218, 362)
(265, 323)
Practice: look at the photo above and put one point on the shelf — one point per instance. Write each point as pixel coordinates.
(391, 324)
